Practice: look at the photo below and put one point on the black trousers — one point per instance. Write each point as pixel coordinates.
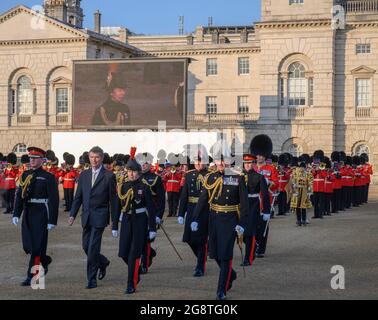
(349, 195)
(37, 258)
(250, 249)
(327, 203)
(225, 275)
(133, 265)
(301, 216)
(343, 198)
(260, 239)
(366, 193)
(68, 197)
(336, 200)
(92, 238)
(356, 197)
(173, 201)
(200, 251)
(318, 204)
(9, 199)
(283, 206)
(147, 254)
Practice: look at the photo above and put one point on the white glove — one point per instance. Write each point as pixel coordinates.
(180, 220)
(51, 226)
(194, 226)
(266, 216)
(15, 221)
(159, 221)
(239, 230)
(152, 235)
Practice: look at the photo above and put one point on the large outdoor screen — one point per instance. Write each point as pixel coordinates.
(133, 93)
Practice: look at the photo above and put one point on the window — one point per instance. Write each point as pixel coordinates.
(211, 67)
(211, 105)
(243, 66)
(282, 91)
(98, 53)
(25, 96)
(20, 148)
(243, 104)
(61, 100)
(295, 150)
(363, 93)
(296, 2)
(311, 91)
(363, 48)
(13, 101)
(297, 85)
(360, 149)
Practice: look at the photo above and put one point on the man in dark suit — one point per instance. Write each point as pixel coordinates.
(96, 192)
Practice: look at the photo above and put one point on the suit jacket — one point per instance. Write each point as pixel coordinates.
(99, 202)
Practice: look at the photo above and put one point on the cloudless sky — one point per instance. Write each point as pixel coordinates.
(161, 16)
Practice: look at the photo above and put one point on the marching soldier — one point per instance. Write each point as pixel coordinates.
(172, 185)
(300, 188)
(328, 187)
(319, 173)
(261, 148)
(155, 183)
(258, 198)
(198, 241)
(226, 193)
(10, 177)
(347, 176)
(284, 177)
(37, 199)
(337, 187)
(368, 169)
(343, 157)
(69, 177)
(138, 220)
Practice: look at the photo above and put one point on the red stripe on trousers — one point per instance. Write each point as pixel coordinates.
(252, 250)
(37, 262)
(229, 275)
(205, 257)
(136, 272)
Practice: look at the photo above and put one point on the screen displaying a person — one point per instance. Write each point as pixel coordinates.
(113, 112)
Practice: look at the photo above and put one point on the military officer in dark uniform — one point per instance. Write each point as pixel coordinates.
(191, 191)
(226, 193)
(258, 198)
(155, 183)
(138, 220)
(37, 198)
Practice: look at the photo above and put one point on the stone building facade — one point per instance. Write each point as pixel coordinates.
(300, 75)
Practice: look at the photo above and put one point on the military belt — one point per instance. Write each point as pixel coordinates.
(193, 199)
(225, 209)
(42, 201)
(254, 195)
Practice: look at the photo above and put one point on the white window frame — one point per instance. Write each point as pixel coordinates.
(32, 95)
(369, 100)
(363, 48)
(56, 99)
(243, 68)
(243, 104)
(211, 105)
(211, 68)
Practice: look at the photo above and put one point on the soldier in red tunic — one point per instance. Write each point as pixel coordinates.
(69, 178)
(9, 177)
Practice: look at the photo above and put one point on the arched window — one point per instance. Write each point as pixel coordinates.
(20, 148)
(295, 150)
(25, 96)
(297, 86)
(360, 149)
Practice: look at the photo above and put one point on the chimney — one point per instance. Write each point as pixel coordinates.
(97, 21)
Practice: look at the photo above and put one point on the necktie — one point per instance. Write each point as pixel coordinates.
(94, 176)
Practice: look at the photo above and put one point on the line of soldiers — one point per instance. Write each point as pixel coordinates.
(219, 206)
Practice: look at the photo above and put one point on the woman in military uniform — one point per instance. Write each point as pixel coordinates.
(137, 216)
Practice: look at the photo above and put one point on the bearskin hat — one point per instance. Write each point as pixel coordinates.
(349, 161)
(362, 160)
(335, 156)
(261, 145)
(342, 156)
(283, 159)
(70, 159)
(319, 155)
(12, 158)
(86, 157)
(356, 160)
(294, 162)
(25, 158)
(274, 158)
(327, 162)
(307, 158)
(365, 156)
(50, 155)
(107, 159)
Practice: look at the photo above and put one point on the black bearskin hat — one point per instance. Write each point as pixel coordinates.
(294, 162)
(335, 156)
(349, 161)
(70, 159)
(342, 156)
(12, 158)
(107, 159)
(261, 145)
(283, 159)
(25, 158)
(327, 162)
(365, 156)
(50, 155)
(319, 155)
(356, 160)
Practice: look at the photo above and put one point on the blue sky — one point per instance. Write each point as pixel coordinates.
(161, 17)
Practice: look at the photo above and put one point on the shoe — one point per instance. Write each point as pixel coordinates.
(221, 296)
(129, 290)
(26, 283)
(7, 211)
(299, 224)
(245, 264)
(91, 285)
(232, 279)
(153, 255)
(198, 273)
(102, 271)
(46, 265)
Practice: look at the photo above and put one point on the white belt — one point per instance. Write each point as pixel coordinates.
(42, 201)
(283, 181)
(254, 195)
(69, 179)
(173, 181)
(329, 182)
(137, 211)
(10, 179)
(347, 177)
(317, 180)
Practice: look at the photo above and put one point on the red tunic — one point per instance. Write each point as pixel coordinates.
(69, 178)
(173, 181)
(319, 180)
(10, 176)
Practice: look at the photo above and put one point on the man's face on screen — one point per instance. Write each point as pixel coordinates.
(118, 94)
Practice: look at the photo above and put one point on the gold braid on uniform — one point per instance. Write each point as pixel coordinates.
(215, 188)
(151, 185)
(25, 184)
(126, 197)
(200, 181)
